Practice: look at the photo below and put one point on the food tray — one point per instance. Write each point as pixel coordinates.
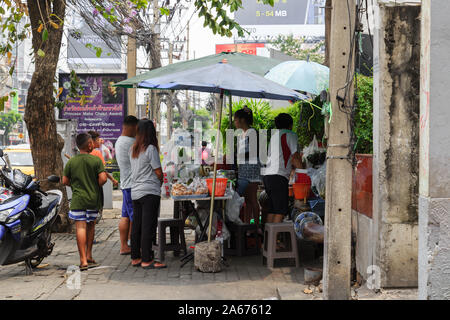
(190, 196)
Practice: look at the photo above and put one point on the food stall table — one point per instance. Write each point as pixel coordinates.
(203, 228)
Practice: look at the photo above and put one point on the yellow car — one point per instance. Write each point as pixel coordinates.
(20, 158)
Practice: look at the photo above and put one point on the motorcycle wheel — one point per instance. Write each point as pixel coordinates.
(6, 246)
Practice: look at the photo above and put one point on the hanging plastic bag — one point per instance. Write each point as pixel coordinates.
(313, 155)
(233, 208)
(318, 180)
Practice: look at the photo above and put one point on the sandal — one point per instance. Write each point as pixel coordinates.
(136, 264)
(153, 266)
(150, 266)
(83, 268)
(161, 265)
(92, 264)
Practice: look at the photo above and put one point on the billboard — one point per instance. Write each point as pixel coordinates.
(101, 107)
(284, 12)
(81, 56)
(248, 48)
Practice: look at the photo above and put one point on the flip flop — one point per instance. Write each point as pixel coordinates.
(152, 266)
(162, 266)
(83, 268)
(92, 264)
(125, 253)
(136, 265)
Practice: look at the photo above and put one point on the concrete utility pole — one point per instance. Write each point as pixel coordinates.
(434, 197)
(327, 32)
(337, 253)
(396, 112)
(131, 70)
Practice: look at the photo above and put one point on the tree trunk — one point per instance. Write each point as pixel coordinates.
(327, 32)
(46, 144)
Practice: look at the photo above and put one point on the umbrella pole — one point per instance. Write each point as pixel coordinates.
(213, 193)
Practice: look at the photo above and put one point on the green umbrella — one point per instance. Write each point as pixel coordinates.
(251, 63)
(247, 62)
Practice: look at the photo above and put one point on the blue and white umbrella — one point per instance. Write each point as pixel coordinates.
(303, 76)
(222, 77)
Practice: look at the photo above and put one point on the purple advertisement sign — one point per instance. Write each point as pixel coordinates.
(101, 107)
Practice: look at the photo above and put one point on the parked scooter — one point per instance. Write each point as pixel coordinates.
(26, 217)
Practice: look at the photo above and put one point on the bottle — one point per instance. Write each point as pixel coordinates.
(219, 236)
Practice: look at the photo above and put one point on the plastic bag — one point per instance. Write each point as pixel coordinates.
(313, 155)
(165, 190)
(233, 208)
(318, 180)
(188, 172)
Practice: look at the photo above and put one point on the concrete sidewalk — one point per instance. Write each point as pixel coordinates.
(245, 278)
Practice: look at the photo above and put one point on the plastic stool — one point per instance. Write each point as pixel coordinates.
(237, 244)
(270, 243)
(177, 239)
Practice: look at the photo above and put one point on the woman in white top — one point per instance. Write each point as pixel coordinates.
(147, 177)
(249, 168)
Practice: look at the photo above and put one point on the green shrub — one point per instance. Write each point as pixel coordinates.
(364, 115)
(116, 175)
(308, 120)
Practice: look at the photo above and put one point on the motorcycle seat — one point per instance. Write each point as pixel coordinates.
(48, 202)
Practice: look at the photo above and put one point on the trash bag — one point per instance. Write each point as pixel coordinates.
(313, 155)
(318, 180)
(233, 208)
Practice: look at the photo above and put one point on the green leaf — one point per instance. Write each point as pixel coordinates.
(164, 11)
(41, 53)
(98, 52)
(45, 35)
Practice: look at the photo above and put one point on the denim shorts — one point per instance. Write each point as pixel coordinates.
(127, 204)
(83, 215)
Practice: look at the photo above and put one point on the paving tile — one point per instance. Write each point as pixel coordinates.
(122, 274)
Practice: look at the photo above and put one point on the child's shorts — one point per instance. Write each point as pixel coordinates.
(83, 215)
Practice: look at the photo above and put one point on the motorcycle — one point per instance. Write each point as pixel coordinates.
(27, 215)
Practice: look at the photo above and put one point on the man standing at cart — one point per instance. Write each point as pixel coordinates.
(123, 147)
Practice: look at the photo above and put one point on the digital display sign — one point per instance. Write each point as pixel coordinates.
(284, 12)
(248, 48)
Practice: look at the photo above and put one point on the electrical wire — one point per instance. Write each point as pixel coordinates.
(347, 101)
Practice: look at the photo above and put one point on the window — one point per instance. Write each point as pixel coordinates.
(20, 158)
